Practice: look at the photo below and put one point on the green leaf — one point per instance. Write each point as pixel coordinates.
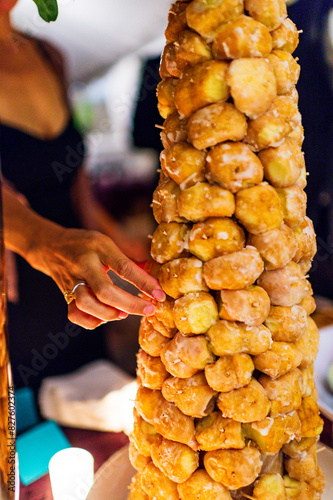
(48, 9)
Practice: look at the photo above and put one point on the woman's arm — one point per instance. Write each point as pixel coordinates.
(70, 256)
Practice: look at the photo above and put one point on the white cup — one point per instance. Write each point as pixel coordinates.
(71, 474)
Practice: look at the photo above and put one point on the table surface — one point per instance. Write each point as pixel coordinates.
(103, 444)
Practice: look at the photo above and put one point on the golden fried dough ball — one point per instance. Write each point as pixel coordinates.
(200, 486)
(135, 490)
(311, 423)
(205, 17)
(269, 487)
(308, 384)
(216, 123)
(308, 344)
(293, 203)
(172, 424)
(319, 482)
(284, 392)
(271, 13)
(293, 94)
(176, 460)
(195, 312)
(188, 49)
(174, 130)
(143, 435)
(246, 404)
(258, 208)
(229, 338)
(306, 241)
(152, 267)
(303, 467)
(297, 447)
(250, 305)
(276, 246)
(308, 303)
(214, 237)
(285, 37)
(184, 164)
(233, 468)
(297, 490)
(150, 339)
(151, 371)
(168, 241)
(146, 403)
(243, 37)
(273, 126)
(233, 166)
(271, 434)
(282, 164)
(185, 356)
(199, 85)
(287, 324)
(234, 270)
(252, 85)
(297, 135)
(286, 70)
(165, 207)
(215, 432)
(176, 21)
(162, 320)
(166, 97)
(180, 276)
(156, 485)
(193, 396)
(204, 200)
(279, 359)
(286, 286)
(230, 372)
(138, 461)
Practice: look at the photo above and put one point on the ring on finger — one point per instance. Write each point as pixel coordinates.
(69, 294)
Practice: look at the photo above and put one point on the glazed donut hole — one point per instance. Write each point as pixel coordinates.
(195, 313)
(286, 286)
(271, 14)
(311, 422)
(303, 468)
(308, 303)
(308, 381)
(293, 203)
(138, 461)
(173, 364)
(258, 208)
(243, 37)
(143, 435)
(174, 130)
(286, 70)
(154, 482)
(308, 344)
(183, 164)
(282, 164)
(176, 460)
(253, 85)
(296, 448)
(293, 95)
(229, 338)
(234, 271)
(162, 320)
(181, 276)
(284, 392)
(193, 396)
(285, 37)
(146, 403)
(215, 237)
(233, 166)
(204, 200)
(270, 128)
(297, 135)
(230, 372)
(277, 246)
(200, 486)
(306, 241)
(302, 179)
(205, 17)
(165, 208)
(150, 370)
(267, 483)
(166, 96)
(199, 85)
(286, 324)
(176, 22)
(218, 122)
(250, 305)
(279, 359)
(168, 241)
(246, 404)
(151, 340)
(215, 432)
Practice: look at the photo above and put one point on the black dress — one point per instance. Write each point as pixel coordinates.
(42, 340)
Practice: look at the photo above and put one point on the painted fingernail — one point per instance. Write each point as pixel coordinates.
(149, 310)
(122, 315)
(159, 295)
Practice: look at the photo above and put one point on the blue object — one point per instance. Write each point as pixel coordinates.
(36, 447)
(26, 411)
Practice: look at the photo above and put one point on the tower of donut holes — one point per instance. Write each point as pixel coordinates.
(226, 402)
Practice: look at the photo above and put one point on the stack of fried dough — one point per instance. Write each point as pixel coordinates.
(226, 405)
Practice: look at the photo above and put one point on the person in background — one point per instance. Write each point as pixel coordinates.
(42, 157)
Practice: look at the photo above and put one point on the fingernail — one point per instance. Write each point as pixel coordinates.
(159, 295)
(122, 315)
(149, 310)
